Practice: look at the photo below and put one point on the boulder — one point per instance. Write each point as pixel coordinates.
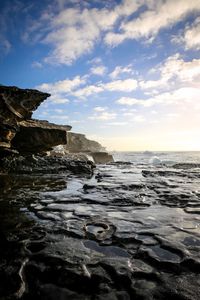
(102, 157)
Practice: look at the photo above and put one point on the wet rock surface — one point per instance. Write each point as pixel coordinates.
(36, 164)
(127, 232)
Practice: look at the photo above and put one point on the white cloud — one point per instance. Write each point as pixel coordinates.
(186, 71)
(127, 85)
(120, 70)
(70, 87)
(192, 36)
(62, 86)
(98, 70)
(161, 14)
(117, 123)
(75, 31)
(182, 96)
(59, 111)
(87, 91)
(103, 116)
(151, 84)
(95, 61)
(100, 108)
(130, 101)
(56, 99)
(60, 90)
(174, 72)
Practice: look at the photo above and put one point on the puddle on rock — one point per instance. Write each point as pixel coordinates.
(191, 241)
(164, 255)
(109, 251)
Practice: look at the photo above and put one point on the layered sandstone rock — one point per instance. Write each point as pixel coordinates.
(19, 134)
(36, 136)
(79, 143)
(18, 131)
(16, 105)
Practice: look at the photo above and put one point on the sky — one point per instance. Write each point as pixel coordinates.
(125, 73)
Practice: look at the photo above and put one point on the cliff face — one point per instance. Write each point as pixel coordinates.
(79, 143)
(18, 131)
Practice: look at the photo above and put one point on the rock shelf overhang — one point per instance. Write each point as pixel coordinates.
(19, 134)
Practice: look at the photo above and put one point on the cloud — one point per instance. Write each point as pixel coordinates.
(100, 108)
(192, 36)
(159, 15)
(95, 61)
(126, 86)
(75, 30)
(59, 111)
(174, 72)
(185, 71)
(57, 99)
(62, 86)
(98, 70)
(87, 91)
(72, 38)
(60, 90)
(103, 116)
(131, 101)
(182, 96)
(117, 123)
(120, 70)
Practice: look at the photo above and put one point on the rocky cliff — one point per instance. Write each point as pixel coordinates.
(18, 131)
(83, 148)
(79, 143)
(25, 140)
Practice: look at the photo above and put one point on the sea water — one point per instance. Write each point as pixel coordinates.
(132, 230)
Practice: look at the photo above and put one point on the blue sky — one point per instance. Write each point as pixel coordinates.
(126, 73)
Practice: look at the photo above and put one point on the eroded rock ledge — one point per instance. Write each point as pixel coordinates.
(16, 105)
(25, 142)
(37, 136)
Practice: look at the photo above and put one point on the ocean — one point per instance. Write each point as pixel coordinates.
(131, 231)
(167, 157)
